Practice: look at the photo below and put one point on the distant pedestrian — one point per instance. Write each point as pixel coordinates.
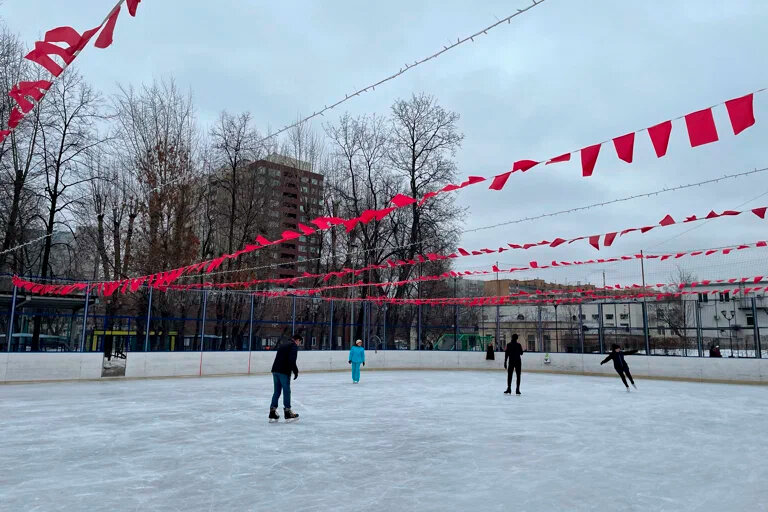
(490, 355)
(715, 351)
(620, 365)
(356, 358)
(284, 365)
(513, 353)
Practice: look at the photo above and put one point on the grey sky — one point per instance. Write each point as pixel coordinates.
(565, 75)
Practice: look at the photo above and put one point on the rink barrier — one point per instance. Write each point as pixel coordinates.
(87, 366)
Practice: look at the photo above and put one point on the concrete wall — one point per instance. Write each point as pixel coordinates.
(41, 367)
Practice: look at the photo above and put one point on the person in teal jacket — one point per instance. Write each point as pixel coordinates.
(356, 358)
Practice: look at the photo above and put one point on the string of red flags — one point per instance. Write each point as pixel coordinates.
(134, 285)
(741, 114)
(58, 49)
(533, 265)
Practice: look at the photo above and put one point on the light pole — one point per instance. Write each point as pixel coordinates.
(730, 332)
(557, 337)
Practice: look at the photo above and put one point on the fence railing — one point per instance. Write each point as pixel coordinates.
(184, 321)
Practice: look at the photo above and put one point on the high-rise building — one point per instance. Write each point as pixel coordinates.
(299, 198)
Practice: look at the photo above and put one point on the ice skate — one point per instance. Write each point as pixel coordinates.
(518, 392)
(273, 416)
(627, 389)
(508, 392)
(290, 416)
(633, 385)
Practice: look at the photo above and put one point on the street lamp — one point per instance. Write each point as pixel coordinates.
(730, 332)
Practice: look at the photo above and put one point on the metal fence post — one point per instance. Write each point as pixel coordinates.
(293, 317)
(202, 327)
(699, 333)
(756, 330)
(646, 334)
(250, 327)
(418, 332)
(330, 329)
(455, 327)
(498, 326)
(581, 330)
(600, 326)
(540, 330)
(149, 318)
(85, 319)
(10, 320)
(384, 331)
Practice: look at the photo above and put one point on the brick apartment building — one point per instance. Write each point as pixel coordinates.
(298, 197)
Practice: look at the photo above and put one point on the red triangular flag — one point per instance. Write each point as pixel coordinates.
(760, 212)
(132, 6)
(105, 38)
(701, 127)
(499, 181)
(741, 113)
(609, 238)
(523, 165)
(594, 241)
(401, 200)
(660, 137)
(625, 146)
(562, 158)
(666, 221)
(589, 159)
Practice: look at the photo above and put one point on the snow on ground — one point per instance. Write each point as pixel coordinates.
(400, 441)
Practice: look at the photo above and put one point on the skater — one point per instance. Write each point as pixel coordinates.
(513, 353)
(715, 351)
(620, 365)
(284, 365)
(356, 358)
(490, 355)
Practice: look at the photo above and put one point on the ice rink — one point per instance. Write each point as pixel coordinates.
(398, 441)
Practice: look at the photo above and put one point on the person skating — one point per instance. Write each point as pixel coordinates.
(620, 365)
(513, 353)
(356, 358)
(284, 365)
(715, 351)
(490, 354)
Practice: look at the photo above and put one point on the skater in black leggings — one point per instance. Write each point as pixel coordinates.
(620, 365)
(513, 353)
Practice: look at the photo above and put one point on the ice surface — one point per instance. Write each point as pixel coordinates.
(398, 441)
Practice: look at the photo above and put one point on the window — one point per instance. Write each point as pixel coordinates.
(703, 297)
(595, 317)
(304, 179)
(725, 296)
(521, 317)
(314, 181)
(661, 330)
(609, 316)
(750, 319)
(305, 190)
(583, 317)
(574, 318)
(624, 316)
(531, 343)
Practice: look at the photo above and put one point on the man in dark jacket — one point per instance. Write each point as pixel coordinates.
(284, 365)
(620, 365)
(513, 353)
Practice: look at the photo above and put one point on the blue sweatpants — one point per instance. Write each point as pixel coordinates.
(281, 382)
(356, 372)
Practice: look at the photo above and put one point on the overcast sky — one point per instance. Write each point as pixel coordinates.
(562, 76)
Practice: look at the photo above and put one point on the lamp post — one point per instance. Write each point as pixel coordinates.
(730, 332)
(557, 336)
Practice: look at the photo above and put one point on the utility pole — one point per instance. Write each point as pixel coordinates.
(647, 338)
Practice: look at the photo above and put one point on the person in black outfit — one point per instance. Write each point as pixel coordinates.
(489, 354)
(513, 353)
(284, 365)
(620, 365)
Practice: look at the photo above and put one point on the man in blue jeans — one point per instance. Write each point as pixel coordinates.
(284, 365)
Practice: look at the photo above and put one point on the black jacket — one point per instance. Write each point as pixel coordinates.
(513, 352)
(618, 359)
(285, 359)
